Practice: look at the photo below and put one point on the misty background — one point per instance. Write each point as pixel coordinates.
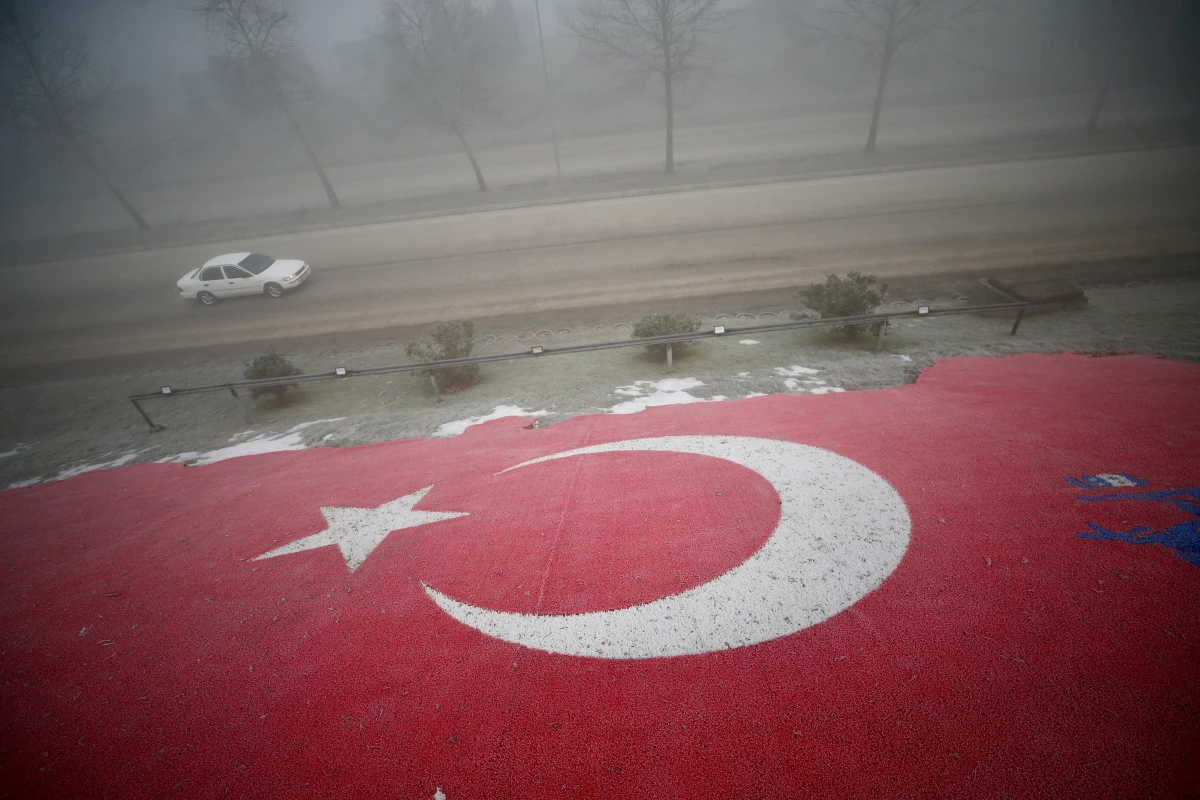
(170, 108)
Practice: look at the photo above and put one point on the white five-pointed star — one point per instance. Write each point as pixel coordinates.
(358, 531)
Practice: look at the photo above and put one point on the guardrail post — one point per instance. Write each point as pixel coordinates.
(671, 357)
(153, 427)
(433, 383)
(1017, 323)
(879, 335)
(241, 405)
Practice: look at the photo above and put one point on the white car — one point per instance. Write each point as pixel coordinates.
(242, 273)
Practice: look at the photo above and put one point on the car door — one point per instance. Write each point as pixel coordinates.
(239, 281)
(213, 280)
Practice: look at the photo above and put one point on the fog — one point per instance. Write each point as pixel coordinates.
(170, 116)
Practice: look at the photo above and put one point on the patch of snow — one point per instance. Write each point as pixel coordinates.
(8, 453)
(796, 370)
(78, 469)
(827, 390)
(304, 425)
(743, 375)
(251, 447)
(815, 382)
(292, 440)
(237, 436)
(753, 394)
(749, 341)
(667, 392)
(904, 358)
(458, 426)
(792, 384)
(23, 484)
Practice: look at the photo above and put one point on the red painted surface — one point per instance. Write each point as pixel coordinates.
(144, 653)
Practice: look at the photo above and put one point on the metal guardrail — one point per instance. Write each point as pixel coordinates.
(879, 322)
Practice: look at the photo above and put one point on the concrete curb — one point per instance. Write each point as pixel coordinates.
(613, 195)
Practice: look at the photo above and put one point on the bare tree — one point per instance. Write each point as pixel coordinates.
(439, 55)
(651, 37)
(884, 27)
(1120, 17)
(47, 86)
(256, 40)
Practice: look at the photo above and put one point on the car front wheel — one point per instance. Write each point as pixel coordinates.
(273, 290)
(207, 298)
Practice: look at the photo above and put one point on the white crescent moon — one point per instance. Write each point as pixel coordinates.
(842, 530)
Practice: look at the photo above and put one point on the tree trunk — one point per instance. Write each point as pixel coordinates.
(471, 156)
(1093, 123)
(884, 65)
(669, 85)
(668, 81)
(1115, 49)
(108, 184)
(312, 156)
(537, 7)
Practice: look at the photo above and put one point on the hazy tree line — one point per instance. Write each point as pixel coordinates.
(449, 65)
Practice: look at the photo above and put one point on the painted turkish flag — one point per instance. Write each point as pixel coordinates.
(981, 585)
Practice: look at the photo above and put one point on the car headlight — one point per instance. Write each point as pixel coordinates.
(299, 272)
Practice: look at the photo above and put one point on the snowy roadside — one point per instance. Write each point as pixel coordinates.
(52, 430)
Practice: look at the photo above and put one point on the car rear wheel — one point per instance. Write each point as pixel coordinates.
(207, 298)
(273, 290)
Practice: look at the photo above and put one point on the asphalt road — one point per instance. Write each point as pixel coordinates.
(699, 148)
(593, 253)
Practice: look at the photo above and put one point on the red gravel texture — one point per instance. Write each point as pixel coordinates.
(145, 653)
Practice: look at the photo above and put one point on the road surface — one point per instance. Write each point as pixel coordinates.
(592, 253)
(698, 148)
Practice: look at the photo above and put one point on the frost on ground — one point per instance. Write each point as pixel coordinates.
(668, 392)
(64, 425)
(458, 426)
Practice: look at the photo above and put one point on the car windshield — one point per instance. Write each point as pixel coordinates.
(256, 262)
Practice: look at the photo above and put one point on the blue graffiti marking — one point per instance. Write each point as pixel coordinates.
(1111, 481)
(1183, 538)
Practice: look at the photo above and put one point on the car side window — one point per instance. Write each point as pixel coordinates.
(211, 274)
(236, 272)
